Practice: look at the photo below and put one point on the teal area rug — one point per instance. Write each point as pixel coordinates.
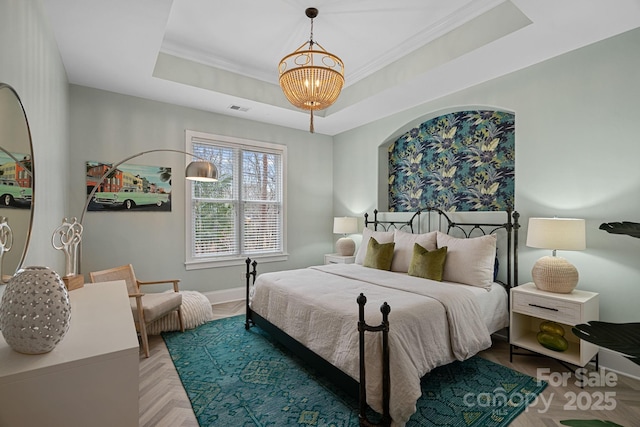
(235, 377)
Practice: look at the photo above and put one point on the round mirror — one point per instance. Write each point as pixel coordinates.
(16, 182)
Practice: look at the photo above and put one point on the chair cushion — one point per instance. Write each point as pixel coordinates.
(196, 310)
(156, 305)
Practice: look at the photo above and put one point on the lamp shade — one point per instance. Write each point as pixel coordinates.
(201, 170)
(345, 225)
(566, 234)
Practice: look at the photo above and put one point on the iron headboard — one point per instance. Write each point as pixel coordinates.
(438, 220)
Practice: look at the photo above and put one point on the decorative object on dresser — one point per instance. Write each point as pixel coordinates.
(553, 273)
(35, 311)
(311, 79)
(534, 311)
(67, 238)
(345, 225)
(6, 242)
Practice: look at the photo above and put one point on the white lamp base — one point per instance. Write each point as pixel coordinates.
(345, 246)
(554, 274)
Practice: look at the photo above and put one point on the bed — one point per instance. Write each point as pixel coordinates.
(429, 322)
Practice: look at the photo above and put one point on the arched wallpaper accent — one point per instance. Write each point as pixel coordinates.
(462, 161)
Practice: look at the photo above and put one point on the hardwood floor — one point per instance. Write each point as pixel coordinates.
(164, 403)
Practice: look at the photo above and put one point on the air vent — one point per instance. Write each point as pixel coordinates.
(238, 108)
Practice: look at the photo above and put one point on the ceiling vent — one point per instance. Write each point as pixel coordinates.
(238, 108)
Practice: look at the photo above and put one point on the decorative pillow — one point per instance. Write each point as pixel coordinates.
(404, 248)
(427, 264)
(367, 233)
(379, 255)
(469, 261)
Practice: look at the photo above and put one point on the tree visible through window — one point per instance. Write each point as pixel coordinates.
(242, 214)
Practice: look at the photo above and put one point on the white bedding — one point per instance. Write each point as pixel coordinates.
(431, 323)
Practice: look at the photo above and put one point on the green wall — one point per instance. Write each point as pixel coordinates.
(109, 127)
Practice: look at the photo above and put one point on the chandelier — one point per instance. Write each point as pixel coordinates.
(310, 77)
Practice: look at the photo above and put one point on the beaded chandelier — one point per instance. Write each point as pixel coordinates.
(311, 78)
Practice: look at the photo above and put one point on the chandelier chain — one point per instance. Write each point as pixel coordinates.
(311, 36)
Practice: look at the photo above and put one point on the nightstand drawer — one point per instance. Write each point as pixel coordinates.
(339, 259)
(547, 308)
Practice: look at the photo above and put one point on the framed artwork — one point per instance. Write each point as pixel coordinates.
(15, 180)
(129, 187)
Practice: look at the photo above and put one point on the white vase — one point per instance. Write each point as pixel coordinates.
(35, 311)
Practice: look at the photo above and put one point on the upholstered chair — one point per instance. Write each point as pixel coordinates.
(145, 307)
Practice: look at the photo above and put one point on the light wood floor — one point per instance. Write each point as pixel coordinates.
(164, 403)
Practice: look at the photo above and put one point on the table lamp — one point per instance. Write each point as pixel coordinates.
(553, 273)
(345, 225)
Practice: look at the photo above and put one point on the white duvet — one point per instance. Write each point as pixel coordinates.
(431, 323)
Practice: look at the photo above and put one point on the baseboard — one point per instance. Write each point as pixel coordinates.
(619, 364)
(226, 295)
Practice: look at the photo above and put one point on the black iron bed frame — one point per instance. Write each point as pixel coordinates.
(358, 388)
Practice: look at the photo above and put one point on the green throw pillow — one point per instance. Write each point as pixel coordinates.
(379, 255)
(427, 264)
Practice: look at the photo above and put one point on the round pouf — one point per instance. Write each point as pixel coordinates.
(35, 311)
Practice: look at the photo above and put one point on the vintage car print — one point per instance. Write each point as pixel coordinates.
(130, 197)
(11, 194)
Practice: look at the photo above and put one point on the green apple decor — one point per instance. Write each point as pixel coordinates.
(551, 336)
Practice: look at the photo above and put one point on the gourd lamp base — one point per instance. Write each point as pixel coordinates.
(345, 246)
(554, 274)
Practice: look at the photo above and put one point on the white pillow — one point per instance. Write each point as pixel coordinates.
(469, 261)
(404, 248)
(367, 233)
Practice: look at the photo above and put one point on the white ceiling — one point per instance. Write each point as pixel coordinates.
(214, 54)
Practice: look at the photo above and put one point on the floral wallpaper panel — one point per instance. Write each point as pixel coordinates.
(463, 161)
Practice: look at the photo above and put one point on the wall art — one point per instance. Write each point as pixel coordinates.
(129, 187)
(15, 180)
(463, 161)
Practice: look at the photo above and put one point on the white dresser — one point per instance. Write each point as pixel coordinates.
(89, 379)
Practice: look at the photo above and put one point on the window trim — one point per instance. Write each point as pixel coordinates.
(200, 263)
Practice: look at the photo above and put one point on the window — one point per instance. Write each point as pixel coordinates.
(243, 213)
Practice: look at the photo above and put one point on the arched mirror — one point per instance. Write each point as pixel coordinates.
(16, 182)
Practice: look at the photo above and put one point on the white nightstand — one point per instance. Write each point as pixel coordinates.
(339, 259)
(531, 306)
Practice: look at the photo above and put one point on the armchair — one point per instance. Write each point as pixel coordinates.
(145, 307)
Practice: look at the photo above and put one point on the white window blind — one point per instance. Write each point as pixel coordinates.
(242, 214)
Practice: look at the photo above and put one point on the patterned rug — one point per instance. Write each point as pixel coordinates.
(235, 377)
